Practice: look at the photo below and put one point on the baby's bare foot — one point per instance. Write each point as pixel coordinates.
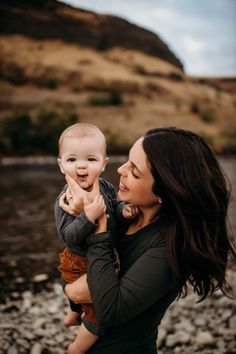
(72, 319)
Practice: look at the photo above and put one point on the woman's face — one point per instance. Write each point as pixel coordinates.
(136, 180)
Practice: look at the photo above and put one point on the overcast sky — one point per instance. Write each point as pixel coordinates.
(201, 33)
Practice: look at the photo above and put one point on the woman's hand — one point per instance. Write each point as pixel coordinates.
(75, 197)
(71, 206)
(78, 291)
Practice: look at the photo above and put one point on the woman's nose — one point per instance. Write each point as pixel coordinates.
(121, 169)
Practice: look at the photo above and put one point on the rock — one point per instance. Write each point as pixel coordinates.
(204, 338)
(15, 295)
(19, 280)
(27, 294)
(40, 277)
(57, 288)
(26, 304)
(226, 314)
(54, 308)
(12, 350)
(5, 345)
(7, 326)
(21, 329)
(185, 325)
(200, 321)
(232, 322)
(39, 322)
(35, 310)
(36, 349)
(176, 338)
(161, 337)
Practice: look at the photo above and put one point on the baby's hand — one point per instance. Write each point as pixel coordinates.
(129, 211)
(96, 209)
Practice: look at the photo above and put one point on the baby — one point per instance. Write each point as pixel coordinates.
(82, 155)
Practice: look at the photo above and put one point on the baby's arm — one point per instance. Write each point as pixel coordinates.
(72, 230)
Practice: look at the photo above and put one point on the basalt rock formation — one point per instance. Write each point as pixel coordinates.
(50, 19)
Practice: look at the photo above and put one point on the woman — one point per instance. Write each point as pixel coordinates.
(179, 238)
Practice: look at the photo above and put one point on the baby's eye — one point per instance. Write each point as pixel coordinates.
(92, 159)
(71, 159)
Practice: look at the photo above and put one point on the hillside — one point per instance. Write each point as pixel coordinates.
(50, 19)
(125, 88)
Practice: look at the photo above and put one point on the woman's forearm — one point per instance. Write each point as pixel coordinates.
(78, 291)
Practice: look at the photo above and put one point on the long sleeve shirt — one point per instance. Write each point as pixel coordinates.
(132, 303)
(74, 230)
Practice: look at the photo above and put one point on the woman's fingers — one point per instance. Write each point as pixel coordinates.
(63, 204)
(68, 195)
(74, 188)
(96, 186)
(80, 197)
(85, 200)
(95, 191)
(62, 199)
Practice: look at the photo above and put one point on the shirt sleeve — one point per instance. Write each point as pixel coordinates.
(117, 300)
(72, 230)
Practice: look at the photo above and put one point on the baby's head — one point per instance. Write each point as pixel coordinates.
(82, 153)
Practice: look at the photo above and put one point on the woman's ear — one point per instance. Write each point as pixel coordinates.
(60, 165)
(105, 162)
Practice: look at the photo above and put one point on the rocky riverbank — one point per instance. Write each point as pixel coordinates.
(31, 323)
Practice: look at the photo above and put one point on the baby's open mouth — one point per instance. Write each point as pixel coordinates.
(82, 177)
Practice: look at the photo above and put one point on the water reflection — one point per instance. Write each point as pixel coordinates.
(29, 242)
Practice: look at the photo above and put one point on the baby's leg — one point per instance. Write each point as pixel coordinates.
(72, 319)
(83, 341)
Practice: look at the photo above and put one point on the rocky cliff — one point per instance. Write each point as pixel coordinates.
(103, 70)
(50, 19)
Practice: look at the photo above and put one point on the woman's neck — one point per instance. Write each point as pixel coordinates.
(145, 217)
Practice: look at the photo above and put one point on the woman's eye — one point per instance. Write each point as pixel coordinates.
(92, 159)
(135, 176)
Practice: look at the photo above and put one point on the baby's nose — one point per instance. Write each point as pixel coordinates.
(81, 164)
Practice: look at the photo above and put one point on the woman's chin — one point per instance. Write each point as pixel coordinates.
(122, 197)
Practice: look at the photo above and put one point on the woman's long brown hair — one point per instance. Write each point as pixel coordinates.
(195, 200)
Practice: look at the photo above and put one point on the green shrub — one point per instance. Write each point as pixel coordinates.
(207, 115)
(26, 135)
(115, 144)
(51, 83)
(112, 98)
(103, 43)
(195, 108)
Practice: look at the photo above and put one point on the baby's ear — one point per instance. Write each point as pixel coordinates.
(60, 165)
(105, 162)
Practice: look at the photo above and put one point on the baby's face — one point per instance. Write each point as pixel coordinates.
(83, 159)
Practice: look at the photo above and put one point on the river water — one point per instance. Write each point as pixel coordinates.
(29, 242)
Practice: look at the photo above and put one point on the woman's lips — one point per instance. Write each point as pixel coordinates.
(122, 187)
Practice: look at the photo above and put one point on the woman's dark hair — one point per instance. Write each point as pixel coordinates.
(195, 200)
